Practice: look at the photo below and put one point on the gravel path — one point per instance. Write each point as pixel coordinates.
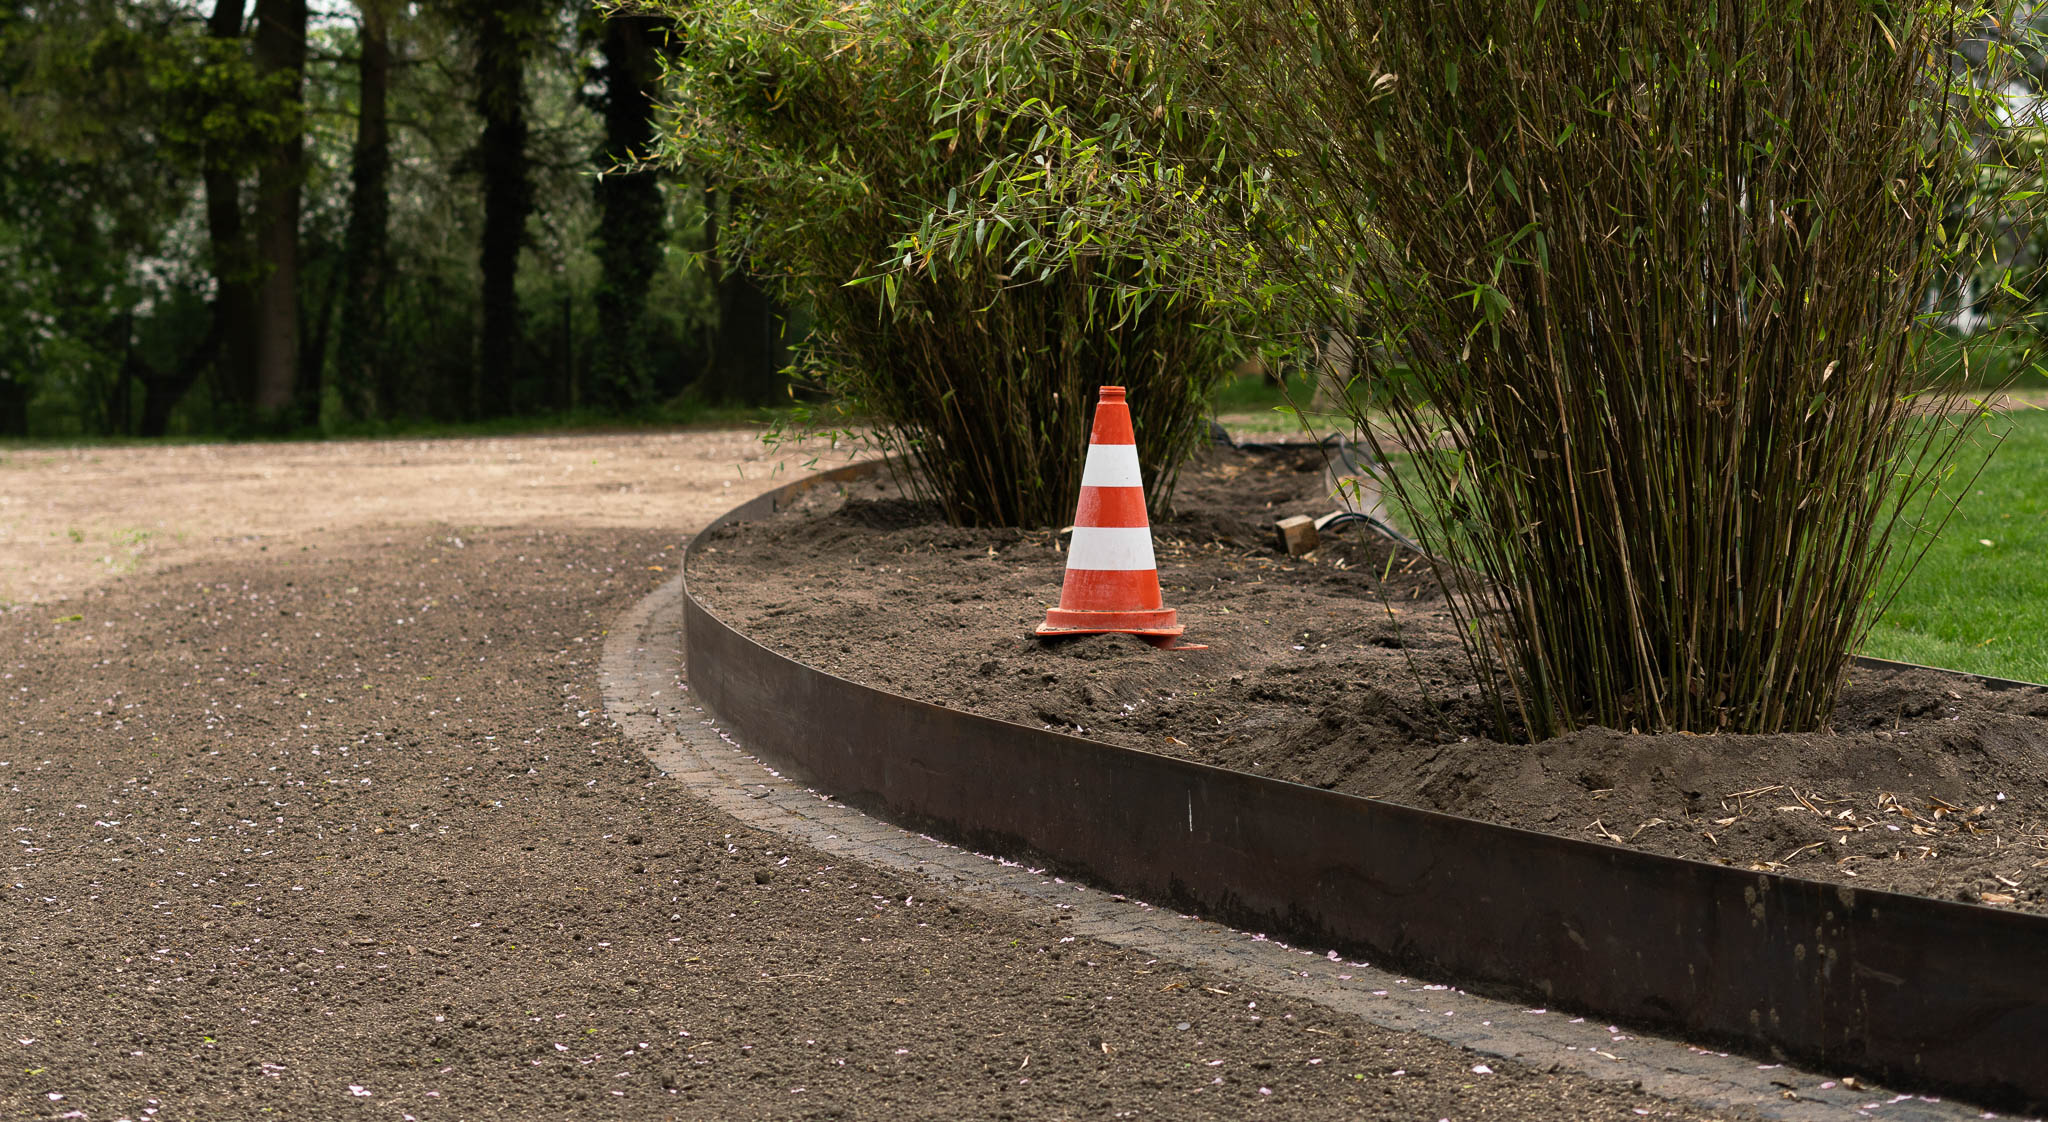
(337, 829)
(72, 518)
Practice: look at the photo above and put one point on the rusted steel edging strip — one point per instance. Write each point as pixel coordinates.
(1917, 991)
(1989, 683)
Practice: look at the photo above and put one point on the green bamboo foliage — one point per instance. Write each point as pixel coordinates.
(1642, 291)
(845, 128)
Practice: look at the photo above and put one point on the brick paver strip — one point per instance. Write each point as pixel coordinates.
(647, 696)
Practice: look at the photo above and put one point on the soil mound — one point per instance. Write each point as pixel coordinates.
(1343, 670)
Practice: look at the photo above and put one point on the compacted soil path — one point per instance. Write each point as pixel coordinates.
(71, 518)
(342, 832)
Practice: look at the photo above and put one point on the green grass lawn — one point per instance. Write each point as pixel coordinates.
(1252, 403)
(1974, 606)
(1984, 607)
(1252, 393)
(1258, 409)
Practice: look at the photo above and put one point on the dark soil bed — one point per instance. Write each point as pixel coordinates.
(1341, 670)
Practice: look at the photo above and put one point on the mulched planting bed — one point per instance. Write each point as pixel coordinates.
(1342, 670)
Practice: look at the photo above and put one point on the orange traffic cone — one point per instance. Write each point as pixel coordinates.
(1112, 580)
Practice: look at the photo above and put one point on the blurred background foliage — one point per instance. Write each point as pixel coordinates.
(1617, 267)
(266, 217)
(850, 132)
(380, 215)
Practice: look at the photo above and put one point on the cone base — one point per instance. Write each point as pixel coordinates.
(1157, 623)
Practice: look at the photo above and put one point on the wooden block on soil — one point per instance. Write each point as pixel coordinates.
(1297, 534)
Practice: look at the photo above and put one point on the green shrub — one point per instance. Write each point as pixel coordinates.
(842, 129)
(1658, 280)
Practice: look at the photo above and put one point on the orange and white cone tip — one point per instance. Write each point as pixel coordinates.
(1112, 580)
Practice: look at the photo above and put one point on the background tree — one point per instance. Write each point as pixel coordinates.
(224, 71)
(504, 30)
(103, 282)
(279, 52)
(631, 218)
(751, 348)
(152, 151)
(360, 353)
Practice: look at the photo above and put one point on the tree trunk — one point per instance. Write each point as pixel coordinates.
(508, 197)
(751, 353)
(313, 347)
(120, 403)
(162, 392)
(280, 47)
(748, 354)
(630, 229)
(234, 298)
(367, 247)
(13, 406)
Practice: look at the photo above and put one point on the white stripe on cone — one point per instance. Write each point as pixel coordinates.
(1111, 465)
(1111, 547)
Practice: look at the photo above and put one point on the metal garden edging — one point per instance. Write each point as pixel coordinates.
(1917, 991)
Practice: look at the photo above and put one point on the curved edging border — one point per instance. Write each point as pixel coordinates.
(1914, 990)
